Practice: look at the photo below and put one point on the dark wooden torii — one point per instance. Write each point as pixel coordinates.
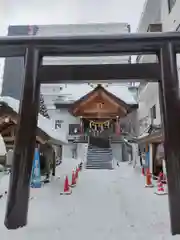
(164, 45)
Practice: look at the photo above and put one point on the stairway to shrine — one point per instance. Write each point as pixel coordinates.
(99, 155)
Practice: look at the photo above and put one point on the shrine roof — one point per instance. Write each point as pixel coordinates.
(117, 106)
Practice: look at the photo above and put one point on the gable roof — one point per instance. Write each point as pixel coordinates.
(45, 124)
(124, 105)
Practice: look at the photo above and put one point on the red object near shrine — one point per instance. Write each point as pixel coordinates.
(73, 183)
(67, 189)
(77, 173)
(118, 127)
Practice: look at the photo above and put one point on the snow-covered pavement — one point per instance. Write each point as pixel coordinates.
(105, 205)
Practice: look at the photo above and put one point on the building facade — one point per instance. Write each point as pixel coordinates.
(157, 16)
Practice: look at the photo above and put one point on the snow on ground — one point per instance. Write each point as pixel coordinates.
(105, 205)
(67, 166)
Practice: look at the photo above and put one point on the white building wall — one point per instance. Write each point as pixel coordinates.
(66, 118)
(151, 14)
(82, 149)
(170, 21)
(117, 151)
(148, 97)
(149, 92)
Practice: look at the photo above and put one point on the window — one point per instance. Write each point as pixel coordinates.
(155, 27)
(58, 124)
(74, 129)
(153, 112)
(171, 4)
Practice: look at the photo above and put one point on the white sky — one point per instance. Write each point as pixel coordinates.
(24, 12)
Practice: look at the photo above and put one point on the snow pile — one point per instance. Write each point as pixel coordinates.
(46, 125)
(2, 147)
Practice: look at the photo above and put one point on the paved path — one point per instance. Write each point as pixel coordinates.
(105, 205)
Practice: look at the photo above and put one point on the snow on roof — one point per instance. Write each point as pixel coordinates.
(73, 92)
(46, 125)
(2, 146)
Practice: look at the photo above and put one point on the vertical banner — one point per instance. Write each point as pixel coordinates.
(147, 156)
(36, 171)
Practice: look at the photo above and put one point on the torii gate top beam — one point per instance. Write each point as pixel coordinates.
(89, 45)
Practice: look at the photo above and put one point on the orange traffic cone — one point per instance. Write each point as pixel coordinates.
(73, 183)
(160, 188)
(148, 179)
(67, 189)
(143, 172)
(77, 173)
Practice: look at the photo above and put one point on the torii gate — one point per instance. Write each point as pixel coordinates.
(164, 45)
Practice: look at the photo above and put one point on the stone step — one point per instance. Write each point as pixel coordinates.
(100, 167)
(99, 158)
(98, 153)
(103, 155)
(100, 149)
(99, 161)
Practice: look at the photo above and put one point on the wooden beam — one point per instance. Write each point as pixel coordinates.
(102, 72)
(87, 45)
(105, 115)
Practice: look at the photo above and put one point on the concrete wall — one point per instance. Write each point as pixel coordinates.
(130, 123)
(82, 151)
(170, 20)
(66, 118)
(67, 150)
(14, 68)
(151, 14)
(148, 97)
(149, 93)
(117, 151)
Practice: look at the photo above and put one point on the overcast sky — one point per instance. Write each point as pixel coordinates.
(69, 12)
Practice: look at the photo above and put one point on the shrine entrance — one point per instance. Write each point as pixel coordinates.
(100, 112)
(164, 45)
